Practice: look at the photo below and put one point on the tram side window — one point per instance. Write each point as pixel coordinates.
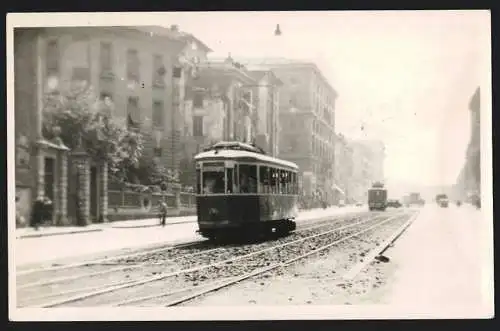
(265, 180)
(230, 188)
(282, 177)
(198, 181)
(295, 183)
(288, 182)
(248, 178)
(274, 181)
(213, 181)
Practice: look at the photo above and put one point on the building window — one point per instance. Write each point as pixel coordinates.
(106, 56)
(157, 151)
(198, 126)
(198, 100)
(177, 73)
(81, 74)
(158, 70)
(49, 179)
(105, 96)
(133, 112)
(133, 65)
(158, 113)
(52, 57)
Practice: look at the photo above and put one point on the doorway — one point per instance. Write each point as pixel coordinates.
(49, 181)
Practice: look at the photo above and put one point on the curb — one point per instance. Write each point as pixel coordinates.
(38, 235)
(149, 225)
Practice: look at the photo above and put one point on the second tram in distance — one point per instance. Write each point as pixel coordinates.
(241, 190)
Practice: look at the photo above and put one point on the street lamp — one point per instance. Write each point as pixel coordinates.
(277, 32)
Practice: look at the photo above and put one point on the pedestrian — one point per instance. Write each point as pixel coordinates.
(47, 215)
(163, 213)
(37, 213)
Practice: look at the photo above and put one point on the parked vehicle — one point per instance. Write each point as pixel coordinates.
(394, 203)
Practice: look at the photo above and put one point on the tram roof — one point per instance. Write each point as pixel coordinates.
(238, 154)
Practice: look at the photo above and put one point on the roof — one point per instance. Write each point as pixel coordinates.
(225, 68)
(259, 74)
(176, 35)
(276, 63)
(235, 145)
(238, 154)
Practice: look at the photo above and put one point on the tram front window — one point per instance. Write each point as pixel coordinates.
(213, 182)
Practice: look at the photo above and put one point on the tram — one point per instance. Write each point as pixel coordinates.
(241, 190)
(377, 197)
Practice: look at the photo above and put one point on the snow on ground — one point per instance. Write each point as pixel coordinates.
(439, 262)
(434, 269)
(43, 249)
(127, 234)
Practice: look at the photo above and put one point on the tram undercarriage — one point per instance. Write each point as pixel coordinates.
(252, 230)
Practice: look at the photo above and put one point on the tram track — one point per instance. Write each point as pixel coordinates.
(60, 295)
(57, 273)
(39, 291)
(172, 298)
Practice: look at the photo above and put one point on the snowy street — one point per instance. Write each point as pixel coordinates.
(440, 261)
(117, 236)
(435, 268)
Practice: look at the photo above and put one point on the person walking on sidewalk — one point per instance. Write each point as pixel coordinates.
(163, 213)
(37, 213)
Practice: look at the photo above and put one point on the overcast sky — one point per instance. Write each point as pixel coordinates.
(403, 77)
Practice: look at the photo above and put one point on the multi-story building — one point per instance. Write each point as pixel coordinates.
(139, 70)
(368, 158)
(361, 171)
(268, 125)
(307, 122)
(220, 104)
(469, 180)
(376, 155)
(343, 161)
(226, 101)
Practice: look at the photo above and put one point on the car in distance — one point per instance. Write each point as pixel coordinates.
(442, 200)
(394, 203)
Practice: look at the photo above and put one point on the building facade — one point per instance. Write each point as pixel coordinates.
(343, 161)
(268, 126)
(361, 172)
(307, 123)
(220, 104)
(469, 180)
(139, 71)
(368, 158)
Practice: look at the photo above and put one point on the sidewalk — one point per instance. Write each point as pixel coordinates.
(152, 222)
(30, 232)
(47, 249)
(438, 263)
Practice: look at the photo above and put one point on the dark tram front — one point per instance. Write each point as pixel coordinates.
(240, 190)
